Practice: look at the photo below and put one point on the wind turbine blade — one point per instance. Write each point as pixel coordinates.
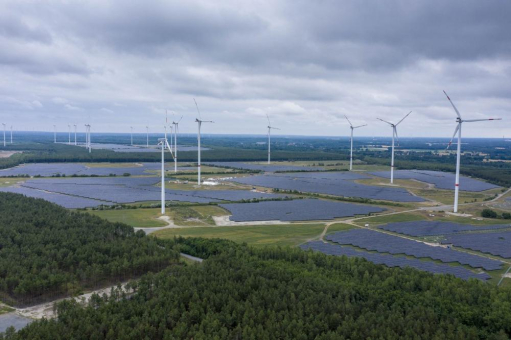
(274, 128)
(454, 135)
(385, 121)
(197, 106)
(454, 107)
(397, 137)
(403, 118)
(267, 117)
(480, 120)
(180, 119)
(348, 120)
(356, 127)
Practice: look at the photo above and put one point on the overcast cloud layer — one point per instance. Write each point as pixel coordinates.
(305, 63)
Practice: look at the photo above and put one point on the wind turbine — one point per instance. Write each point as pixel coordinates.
(75, 132)
(11, 134)
(147, 132)
(394, 134)
(164, 145)
(69, 137)
(176, 127)
(199, 123)
(4, 133)
(54, 133)
(87, 137)
(351, 149)
(460, 121)
(269, 134)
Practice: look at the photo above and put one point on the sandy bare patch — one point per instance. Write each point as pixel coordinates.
(223, 221)
(7, 154)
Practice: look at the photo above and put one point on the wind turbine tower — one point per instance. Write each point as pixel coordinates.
(131, 127)
(54, 133)
(394, 134)
(11, 134)
(176, 127)
(164, 145)
(199, 123)
(460, 121)
(4, 133)
(269, 137)
(351, 149)
(147, 132)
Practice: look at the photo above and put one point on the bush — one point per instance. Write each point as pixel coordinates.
(488, 213)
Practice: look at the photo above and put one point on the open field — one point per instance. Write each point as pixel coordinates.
(138, 218)
(7, 182)
(112, 165)
(279, 235)
(447, 196)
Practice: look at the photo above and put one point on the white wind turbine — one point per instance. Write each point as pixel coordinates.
(164, 145)
(394, 134)
(176, 128)
(4, 133)
(460, 121)
(87, 137)
(351, 149)
(199, 123)
(11, 134)
(269, 136)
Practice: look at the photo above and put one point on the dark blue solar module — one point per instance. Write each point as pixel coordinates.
(139, 148)
(495, 243)
(70, 202)
(137, 189)
(431, 228)
(296, 210)
(441, 180)
(263, 167)
(337, 184)
(385, 243)
(393, 261)
(69, 169)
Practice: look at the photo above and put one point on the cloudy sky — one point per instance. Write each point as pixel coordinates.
(305, 63)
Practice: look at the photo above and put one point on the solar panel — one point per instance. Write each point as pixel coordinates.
(393, 261)
(70, 202)
(262, 167)
(296, 210)
(441, 180)
(337, 184)
(432, 228)
(385, 243)
(494, 243)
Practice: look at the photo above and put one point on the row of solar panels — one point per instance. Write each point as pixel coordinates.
(495, 243)
(70, 169)
(393, 261)
(296, 210)
(262, 167)
(441, 180)
(337, 184)
(385, 243)
(432, 228)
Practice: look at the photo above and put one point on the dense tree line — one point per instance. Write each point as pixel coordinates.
(47, 251)
(283, 293)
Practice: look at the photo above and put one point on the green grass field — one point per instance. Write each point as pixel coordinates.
(7, 182)
(139, 218)
(279, 235)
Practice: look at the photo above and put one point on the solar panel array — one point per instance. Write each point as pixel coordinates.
(263, 167)
(296, 210)
(130, 190)
(441, 180)
(385, 243)
(432, 228)
(70, 202)
(393, 261)
(337, 184)
(69, 169)
(497, 243)
(139, 149)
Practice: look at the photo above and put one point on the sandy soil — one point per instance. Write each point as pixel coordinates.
(223, 221)
(7, 154)
(45, 310)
